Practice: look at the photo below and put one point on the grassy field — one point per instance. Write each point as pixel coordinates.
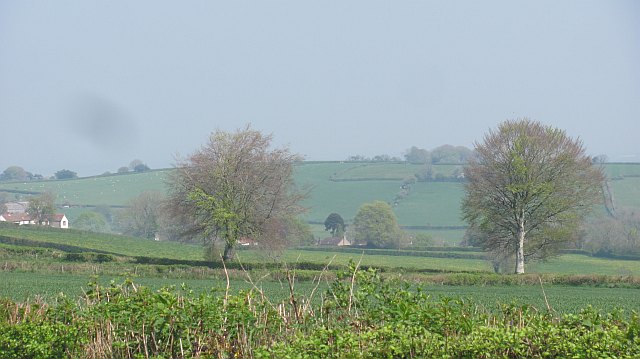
(340, 187)
(113, 190)
(128, 246)
(21, 286)
(122, 245)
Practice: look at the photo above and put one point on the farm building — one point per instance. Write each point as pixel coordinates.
(334, 241)
(17, 218)
(16, 207)
(57, 220)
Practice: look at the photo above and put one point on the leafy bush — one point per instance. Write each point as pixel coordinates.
(361, 315)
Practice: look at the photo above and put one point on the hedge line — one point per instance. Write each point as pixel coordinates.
(432, 252)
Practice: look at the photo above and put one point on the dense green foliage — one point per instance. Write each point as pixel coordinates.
(376, 226)
(528, 188)
(360, 315)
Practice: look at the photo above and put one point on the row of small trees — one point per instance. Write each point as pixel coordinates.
(17, 173)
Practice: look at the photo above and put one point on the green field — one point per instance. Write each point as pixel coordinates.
(403, 260)
(112, 190)
(43, 264)
(100, 242)
(340, 187)
(21, 286)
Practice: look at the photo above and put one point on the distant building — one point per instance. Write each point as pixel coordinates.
(244, 241)
(17, 207)
(57, 220)
(17, 218)
(334, 241)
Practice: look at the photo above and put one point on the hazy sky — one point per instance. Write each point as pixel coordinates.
(91, 85)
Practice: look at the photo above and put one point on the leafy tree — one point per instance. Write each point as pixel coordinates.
(334, 224)
(450, 154)
(141, 217)
(141, 168)
(123, 169)
(417, 155)
(15, 173)
(235, 186)
(65, 174)
(135, 163)
(422, 240)
(376, 225)
(607, 235)
(91, 221)
(528, 188)
(42, 207)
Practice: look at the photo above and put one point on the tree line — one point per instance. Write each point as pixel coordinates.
(18, 173)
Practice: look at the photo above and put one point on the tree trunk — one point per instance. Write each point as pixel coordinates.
(228, 252)
(520, 250)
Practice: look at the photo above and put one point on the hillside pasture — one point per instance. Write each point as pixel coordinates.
(111, 190)
(100, 242)
(622, 170)
(340, 187)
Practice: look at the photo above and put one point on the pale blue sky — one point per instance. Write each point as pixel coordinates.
(90, 85)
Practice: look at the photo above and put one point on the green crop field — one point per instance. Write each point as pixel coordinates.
(21, 286)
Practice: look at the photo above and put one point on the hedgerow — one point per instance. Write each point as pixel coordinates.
(360, 315)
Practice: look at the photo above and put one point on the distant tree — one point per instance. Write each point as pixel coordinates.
(65, 174)
(358, 158)
(106, 212)
(422, 240)
(123, 169)
(15, 173)
(528, 188)
(135, 163)
(141, 216)
(600, 159)
(141, 168)
(417, 155)
(376, 225)
(91, 221)
(299, 233)
(4, 198)
(451, 154)
(42, 207)
(334, 224)
(284, 233)
(607, 235)
(235, 186)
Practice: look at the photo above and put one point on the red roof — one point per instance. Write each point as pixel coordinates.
(17, 217)
(57, 217)
(26, 217)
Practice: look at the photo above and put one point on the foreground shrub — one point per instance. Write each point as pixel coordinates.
(361, 315)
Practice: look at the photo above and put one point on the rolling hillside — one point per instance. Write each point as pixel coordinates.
(339, 187)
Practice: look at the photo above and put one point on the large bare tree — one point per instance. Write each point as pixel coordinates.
(528, 188)
(235, 186)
